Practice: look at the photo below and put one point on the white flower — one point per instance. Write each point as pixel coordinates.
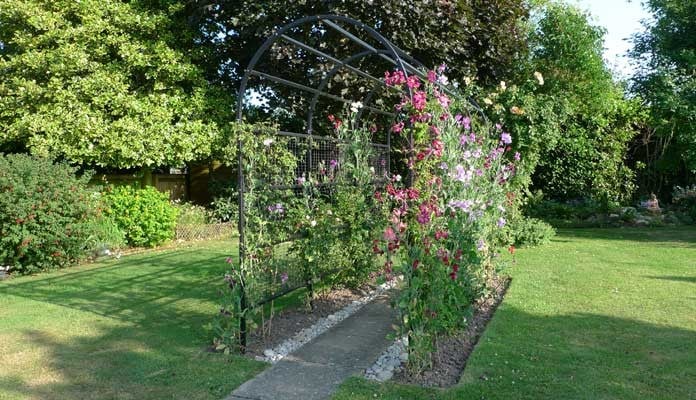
(372, 169)
(313, 223)
(354, 107)
(397, 178)
(539, 77)
(503, 85)
(267, 142)
(488, 101)
(329, 212)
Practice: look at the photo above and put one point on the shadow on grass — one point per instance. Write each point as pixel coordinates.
(148, 341)
(689, 279)
(682, 236)
(576, 356)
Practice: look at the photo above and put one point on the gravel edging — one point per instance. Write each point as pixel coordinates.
(280, 351)
(450, 354)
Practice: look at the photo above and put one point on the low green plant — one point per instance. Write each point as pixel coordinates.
(146, 215)
(192, 214)
(527, 231)
(45, 213)
(106, 236)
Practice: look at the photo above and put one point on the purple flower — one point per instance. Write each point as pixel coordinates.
(333, 164)
(276, 208)
(480, 245)
(461, 174)
(301, 180)
(283, 277)
(463, 121)
(501, 222)
(464, 205)
(517, 156)
(506, 138)
(444, 166)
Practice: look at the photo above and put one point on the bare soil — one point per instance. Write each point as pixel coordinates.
(289, 322)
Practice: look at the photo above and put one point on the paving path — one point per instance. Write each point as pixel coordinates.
(316, 369)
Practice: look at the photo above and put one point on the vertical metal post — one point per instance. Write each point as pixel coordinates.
(242, 245)
(310, 290)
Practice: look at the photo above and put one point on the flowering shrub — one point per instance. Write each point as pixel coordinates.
(443, 228)
(45, 214)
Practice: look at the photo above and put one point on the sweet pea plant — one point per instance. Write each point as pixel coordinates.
(444, 228)
(319, 231)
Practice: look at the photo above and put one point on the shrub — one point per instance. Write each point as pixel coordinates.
(530, 232)
(685, 200)
(45, 212)
(145, 215)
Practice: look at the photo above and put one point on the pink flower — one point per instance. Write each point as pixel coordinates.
(444, 100)
(517, 156)
(398, 127)
(228, 260)
(432, 77)
(506, 138)
(394, 79)
(419, 100)
(413, 82)
(389, 234)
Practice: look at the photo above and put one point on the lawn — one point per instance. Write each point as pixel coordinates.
(598, 314)
(121, 329)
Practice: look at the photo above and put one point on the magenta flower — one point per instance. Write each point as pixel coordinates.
(333, 164)
(432, 77)
(413, 82)
(419, 100)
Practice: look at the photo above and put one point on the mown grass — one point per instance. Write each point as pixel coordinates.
(120, 329)
(597, 314)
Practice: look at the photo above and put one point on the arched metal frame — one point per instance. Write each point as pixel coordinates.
(389, 52)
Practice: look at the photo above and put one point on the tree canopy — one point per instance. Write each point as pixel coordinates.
(104, 82)
(666, 56)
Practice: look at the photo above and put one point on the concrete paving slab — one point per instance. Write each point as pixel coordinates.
(315, 370)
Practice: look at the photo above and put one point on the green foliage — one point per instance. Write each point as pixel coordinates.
(145, 215)
(45, 213)
(191, 214)
(568, 116)
(666, 81)
(685, 200)
(105, 82)
(106, 236)
(529, 232)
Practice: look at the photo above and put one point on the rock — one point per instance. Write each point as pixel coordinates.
(384, 375)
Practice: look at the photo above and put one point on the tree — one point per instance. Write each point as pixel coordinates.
(666, 55)
(105, 83)
(475, 38)
(572, 121)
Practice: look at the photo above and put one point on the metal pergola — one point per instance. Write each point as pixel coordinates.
(371, 44)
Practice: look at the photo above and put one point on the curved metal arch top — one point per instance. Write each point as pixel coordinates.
(389, 52)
